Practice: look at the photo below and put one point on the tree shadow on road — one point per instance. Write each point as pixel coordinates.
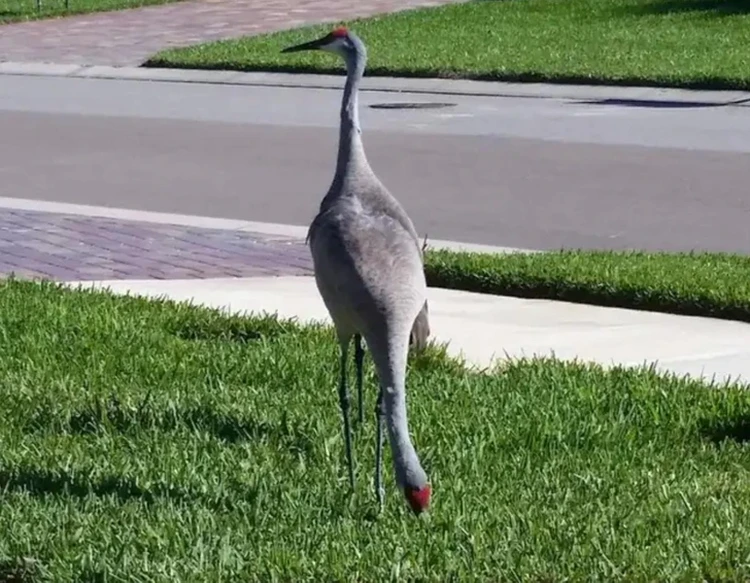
(659, 104)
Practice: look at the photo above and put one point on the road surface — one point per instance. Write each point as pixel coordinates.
(518, 172)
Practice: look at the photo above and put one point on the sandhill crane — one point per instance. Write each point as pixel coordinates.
(368, 268)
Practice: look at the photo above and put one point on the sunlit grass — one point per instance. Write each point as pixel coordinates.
(689, 43)
(158, 442)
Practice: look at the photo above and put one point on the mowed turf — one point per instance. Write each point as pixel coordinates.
(715, 285)
(151, 441)
(682, 43)
(19, 10)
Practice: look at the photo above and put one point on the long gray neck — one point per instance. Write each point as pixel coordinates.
(392, 372)
(406, 462)
(351, 159)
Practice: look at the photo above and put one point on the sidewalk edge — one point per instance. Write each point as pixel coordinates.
(432, 86)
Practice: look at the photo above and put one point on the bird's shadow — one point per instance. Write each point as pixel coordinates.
(203, 327)
(111, 415)
(19, 570)
(43, 482)
(719, 431)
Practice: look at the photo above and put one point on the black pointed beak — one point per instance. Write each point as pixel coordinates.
(309, 46)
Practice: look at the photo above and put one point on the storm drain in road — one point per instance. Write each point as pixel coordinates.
(412, 105)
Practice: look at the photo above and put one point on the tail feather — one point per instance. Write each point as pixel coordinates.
(421, 329)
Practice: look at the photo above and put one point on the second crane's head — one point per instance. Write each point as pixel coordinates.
(340, 40)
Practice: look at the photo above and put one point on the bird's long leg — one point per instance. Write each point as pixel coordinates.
(379, 414)
(359, 355)
(344, 402)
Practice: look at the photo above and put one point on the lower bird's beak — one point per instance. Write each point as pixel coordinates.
(309, 46)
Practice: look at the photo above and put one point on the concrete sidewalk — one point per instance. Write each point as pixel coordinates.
(483, 328)
(593, 94)
(253, 267)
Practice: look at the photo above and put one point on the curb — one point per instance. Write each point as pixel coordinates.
(383, 84)
(270, 229)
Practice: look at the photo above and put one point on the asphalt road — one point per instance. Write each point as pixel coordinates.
(520, 172)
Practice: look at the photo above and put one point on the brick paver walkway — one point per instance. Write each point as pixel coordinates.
(77, 248)
(129, 37)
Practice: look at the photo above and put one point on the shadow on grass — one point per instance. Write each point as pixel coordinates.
(20, 570)
(712, 7)
(113, 416)
(241, 334)
(42, 482)
(720, 430)
(201, 327)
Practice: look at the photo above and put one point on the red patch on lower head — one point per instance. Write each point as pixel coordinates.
(419, 500)
(339, 32)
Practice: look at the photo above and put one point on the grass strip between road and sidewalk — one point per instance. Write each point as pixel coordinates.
(158, 441)
(22, 10)
(714, 285)
(675, 43)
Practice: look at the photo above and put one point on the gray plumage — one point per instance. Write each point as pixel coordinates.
(369, 271)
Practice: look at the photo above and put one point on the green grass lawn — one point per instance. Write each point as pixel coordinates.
(149, 441)
(19, 10)
(699, 284)
(687, 43)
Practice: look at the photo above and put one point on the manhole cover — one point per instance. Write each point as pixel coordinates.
(413, 105)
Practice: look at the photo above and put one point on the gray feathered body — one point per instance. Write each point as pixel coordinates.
(368, 263)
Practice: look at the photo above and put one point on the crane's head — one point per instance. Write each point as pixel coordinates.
(410, 476)
(340, 41)
(418, 498)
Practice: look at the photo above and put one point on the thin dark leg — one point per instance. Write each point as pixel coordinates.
(344, 402)
(359, 355)
(379, 414)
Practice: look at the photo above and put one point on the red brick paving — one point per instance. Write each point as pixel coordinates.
(36, 244)
(129, 37)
